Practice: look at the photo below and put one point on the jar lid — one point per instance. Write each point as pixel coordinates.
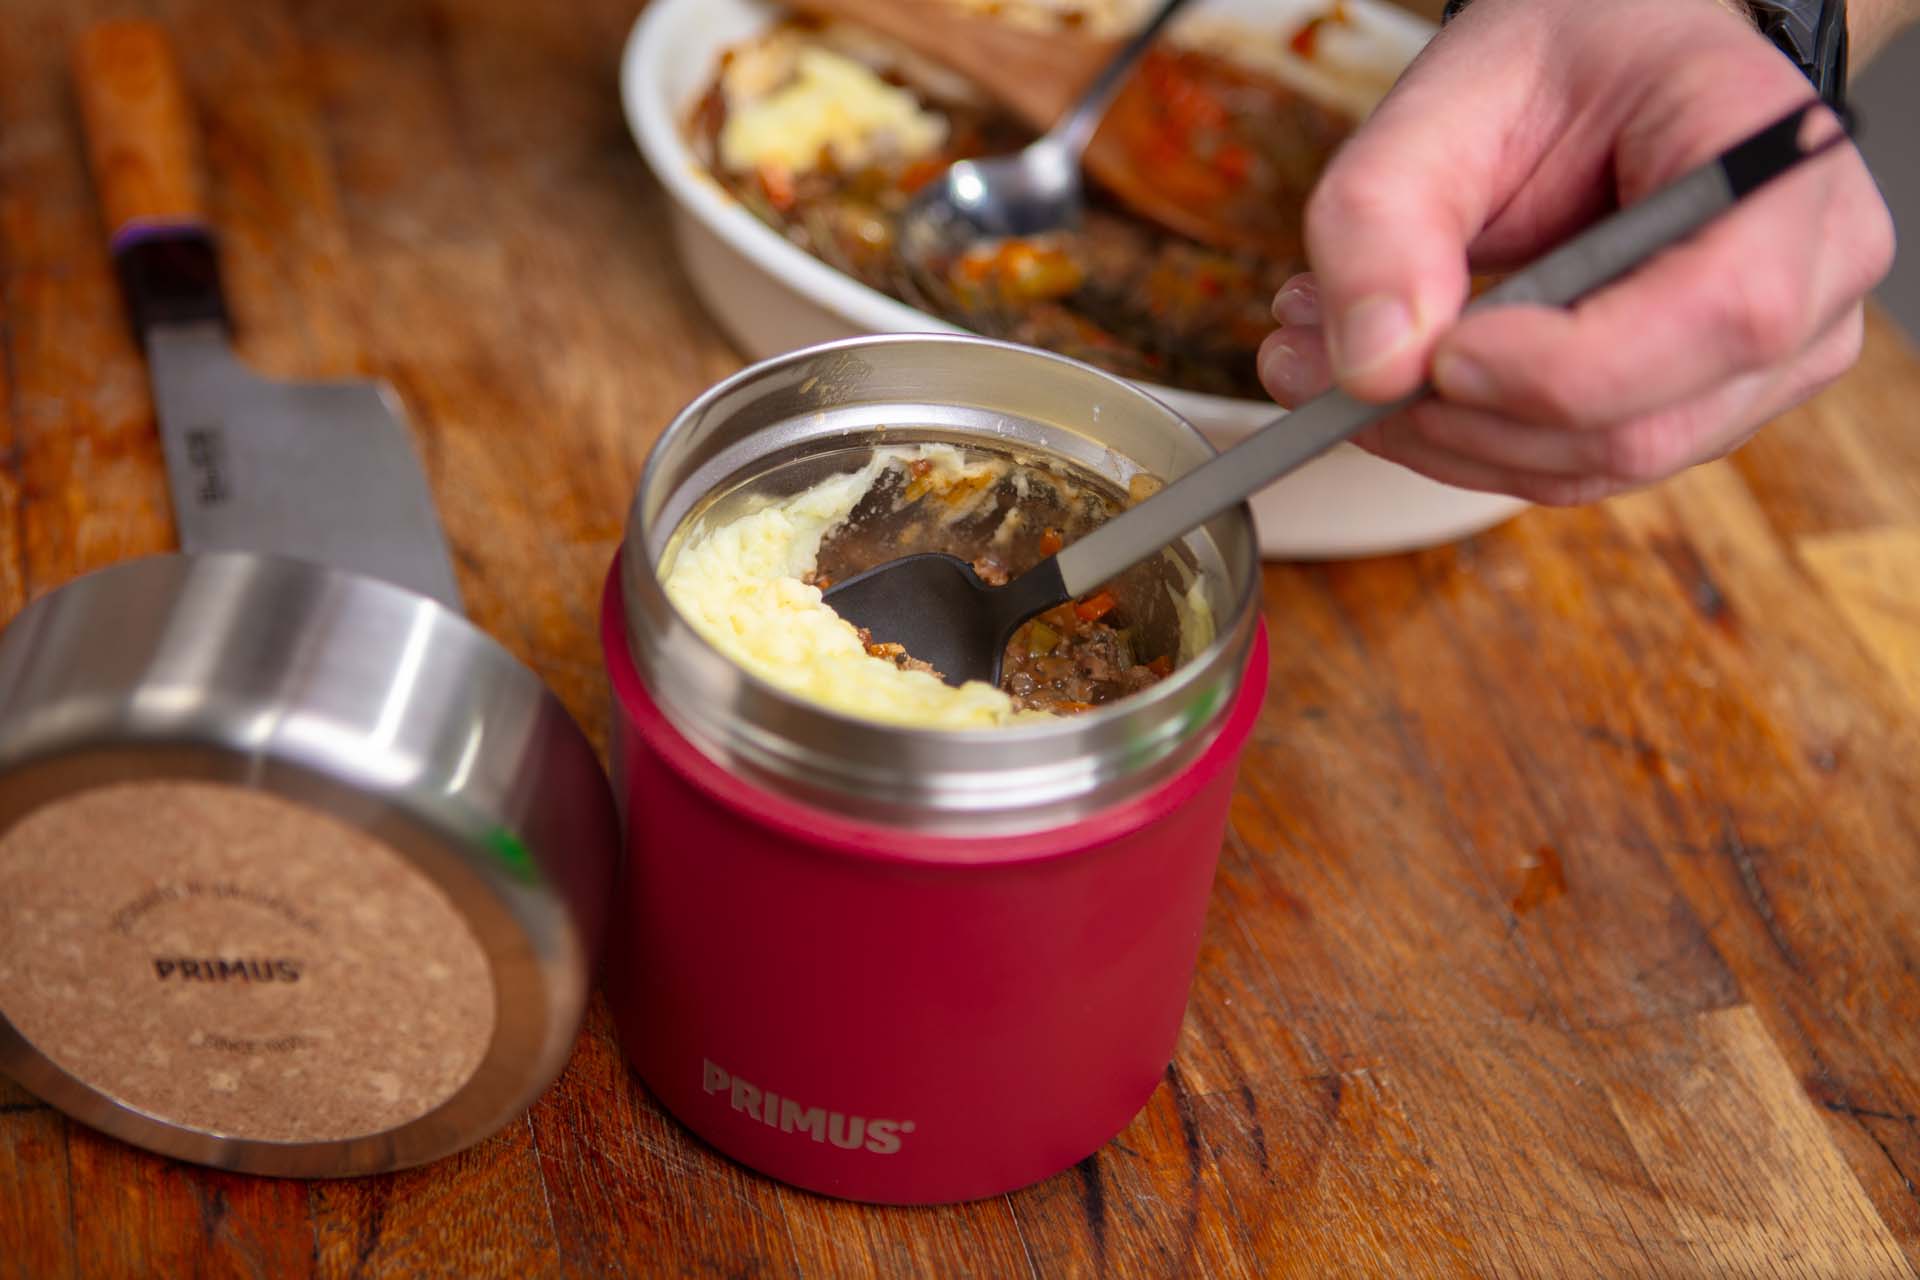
(300, 872)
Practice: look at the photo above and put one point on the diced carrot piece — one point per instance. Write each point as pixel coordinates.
(1051, 542)
(1161, 666)
(1096, 606)
(778, 184)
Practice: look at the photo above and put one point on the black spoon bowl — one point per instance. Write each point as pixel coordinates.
(938, 608)
(960, 623)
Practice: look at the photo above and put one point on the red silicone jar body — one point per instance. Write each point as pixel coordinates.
(886, 1015)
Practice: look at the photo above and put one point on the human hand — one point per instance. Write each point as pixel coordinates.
(1521, 123)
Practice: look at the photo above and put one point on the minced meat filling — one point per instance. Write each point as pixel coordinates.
(1074, 657)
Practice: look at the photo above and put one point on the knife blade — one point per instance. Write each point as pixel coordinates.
(316, 471)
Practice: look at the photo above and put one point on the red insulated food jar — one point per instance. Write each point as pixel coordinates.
(911, 965)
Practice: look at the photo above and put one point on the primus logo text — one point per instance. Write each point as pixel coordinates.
(850, 1133)
(217, 969)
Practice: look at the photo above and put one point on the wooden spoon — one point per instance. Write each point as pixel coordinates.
(1037, 74)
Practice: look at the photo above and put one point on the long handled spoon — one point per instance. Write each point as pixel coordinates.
(936, 606)
(1036, 189)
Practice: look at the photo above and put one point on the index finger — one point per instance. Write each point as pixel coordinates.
(1389, 224)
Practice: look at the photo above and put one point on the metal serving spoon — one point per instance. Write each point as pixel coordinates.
(1036, 189)
(1062, 81)
(937, 606)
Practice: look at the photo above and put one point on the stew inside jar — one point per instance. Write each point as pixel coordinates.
(1119, 639)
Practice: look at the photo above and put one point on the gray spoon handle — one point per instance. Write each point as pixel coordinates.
(1596, 257)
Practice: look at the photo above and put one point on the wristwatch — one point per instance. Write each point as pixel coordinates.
(1813, 33)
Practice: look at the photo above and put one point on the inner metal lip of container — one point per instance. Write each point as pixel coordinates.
(912, 388)
(353, 698)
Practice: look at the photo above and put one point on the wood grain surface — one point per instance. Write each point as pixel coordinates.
(1569, 923)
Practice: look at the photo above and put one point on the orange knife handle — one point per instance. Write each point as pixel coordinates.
(140, 138)
(140, 145)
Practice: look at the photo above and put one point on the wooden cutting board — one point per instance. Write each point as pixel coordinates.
(1570, 919)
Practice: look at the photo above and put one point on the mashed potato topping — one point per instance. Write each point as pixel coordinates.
(742, 586)
(824, 104)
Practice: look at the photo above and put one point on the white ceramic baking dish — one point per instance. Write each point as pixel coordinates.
(772, 296)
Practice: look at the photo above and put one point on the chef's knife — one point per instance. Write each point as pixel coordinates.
(317, 471)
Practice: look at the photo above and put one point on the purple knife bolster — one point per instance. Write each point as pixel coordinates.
(169, 272)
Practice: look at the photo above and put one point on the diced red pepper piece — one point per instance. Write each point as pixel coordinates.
(919, 174)
(1234, 162)
(1306, 41)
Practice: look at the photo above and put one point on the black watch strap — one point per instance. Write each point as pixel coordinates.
(1813, 33)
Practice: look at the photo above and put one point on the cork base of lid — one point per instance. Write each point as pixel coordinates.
(232, 962)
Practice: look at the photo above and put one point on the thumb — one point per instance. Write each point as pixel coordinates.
(1388, 226)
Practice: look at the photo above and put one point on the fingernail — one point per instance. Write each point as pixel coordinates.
(1463, 379)
(1372, 332)
(1298, 302)
(1280, 368)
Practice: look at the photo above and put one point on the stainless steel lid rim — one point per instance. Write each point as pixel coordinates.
(981, 391)
(373, 705)
(643, 731)
(735, 735)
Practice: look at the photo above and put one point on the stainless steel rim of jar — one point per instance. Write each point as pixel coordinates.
(905, 388)
(354, 698)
